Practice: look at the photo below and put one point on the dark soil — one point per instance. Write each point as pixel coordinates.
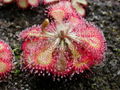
(103, 13)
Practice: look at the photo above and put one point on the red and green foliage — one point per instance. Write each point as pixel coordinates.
(64, 46)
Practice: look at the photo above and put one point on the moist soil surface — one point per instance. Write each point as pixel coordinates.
(103, 13)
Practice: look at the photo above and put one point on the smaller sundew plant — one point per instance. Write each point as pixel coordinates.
(23, 3)
(64, 46)
(6, 57)
(78, 5)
